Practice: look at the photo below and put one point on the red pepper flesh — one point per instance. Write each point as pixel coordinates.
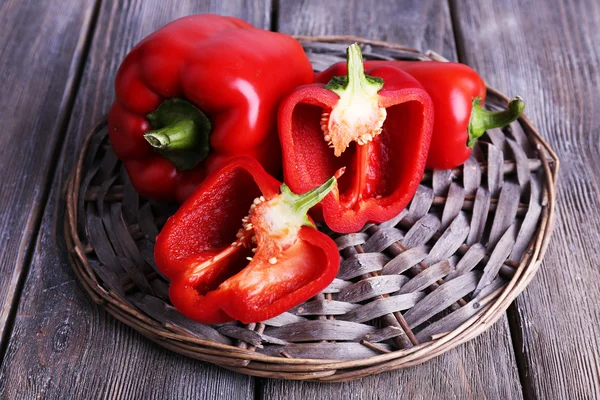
(458, 94)
(384, 152)
(196, 93)
(237, 248)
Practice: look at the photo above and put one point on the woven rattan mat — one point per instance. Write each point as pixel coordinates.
(409, 289)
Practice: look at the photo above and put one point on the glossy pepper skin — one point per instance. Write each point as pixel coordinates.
(241, 247)
(196, 93)
(383, 149)
(458, 94)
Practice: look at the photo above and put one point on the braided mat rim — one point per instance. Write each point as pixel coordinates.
(389, 342)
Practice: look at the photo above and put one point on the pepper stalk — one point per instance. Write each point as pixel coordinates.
(357, 115)
(181, 133)
(482, 119)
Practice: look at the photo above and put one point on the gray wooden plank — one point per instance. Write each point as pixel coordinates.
(470, 371)
(549, 54)
(63, 345)
(485, 366)
(41, 50)
(420, 24)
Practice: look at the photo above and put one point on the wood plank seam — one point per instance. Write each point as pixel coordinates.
(514, 324)
(456, 31)
(274, 16)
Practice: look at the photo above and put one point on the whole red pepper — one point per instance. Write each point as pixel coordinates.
(458, 94)
(378, 126)
(197, 92)
(242, 247)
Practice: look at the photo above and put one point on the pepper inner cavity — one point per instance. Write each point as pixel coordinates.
(360, 181)
(271, 226)
(245, 240)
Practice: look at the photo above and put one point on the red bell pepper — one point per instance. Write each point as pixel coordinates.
(242, 247)
(197, 92)
(379, 126)
(458, 94)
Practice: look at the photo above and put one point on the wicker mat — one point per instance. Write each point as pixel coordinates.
(409, 289)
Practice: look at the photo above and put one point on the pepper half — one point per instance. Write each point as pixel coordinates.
(378, 126)
(196, 93)
(458, 94)
(242, 247)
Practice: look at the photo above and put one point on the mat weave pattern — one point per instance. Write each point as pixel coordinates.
(409, 289)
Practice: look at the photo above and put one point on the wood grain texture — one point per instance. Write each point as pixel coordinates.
(63, 345)
(484, 367)
(420, 24)
(40, 52)
(549, 54)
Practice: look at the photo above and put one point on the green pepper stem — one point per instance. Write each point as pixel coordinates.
(482, 120)
(301, 203)
(181, 133)
(356, 82)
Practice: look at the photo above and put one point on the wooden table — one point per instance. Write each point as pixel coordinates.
(58, 62)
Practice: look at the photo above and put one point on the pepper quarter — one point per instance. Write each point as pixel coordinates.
(242, 247)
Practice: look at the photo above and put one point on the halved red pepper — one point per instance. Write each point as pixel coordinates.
(378, 126)
(458, 94)
(196, 93)
(242, 247)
